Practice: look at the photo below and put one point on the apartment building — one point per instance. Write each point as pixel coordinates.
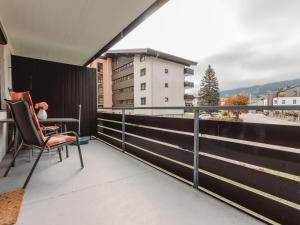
(147, 78)
(104, 82)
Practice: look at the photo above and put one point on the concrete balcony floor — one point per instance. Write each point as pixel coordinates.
(113, 188)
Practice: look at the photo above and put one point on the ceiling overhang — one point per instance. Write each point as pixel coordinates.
(71, 31)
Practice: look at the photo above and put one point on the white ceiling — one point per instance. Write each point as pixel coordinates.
(68, 31)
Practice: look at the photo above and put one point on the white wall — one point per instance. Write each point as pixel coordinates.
(148, 79)
(5, 71)
(5, 79)
(3, 136)
(288, 101)
(155, 80)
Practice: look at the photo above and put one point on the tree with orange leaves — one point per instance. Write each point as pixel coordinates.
(237, 100)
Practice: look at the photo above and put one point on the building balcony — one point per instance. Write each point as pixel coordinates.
(189, 97)
(123, 84)
(123, 96)
(188, 71)
(188, 84)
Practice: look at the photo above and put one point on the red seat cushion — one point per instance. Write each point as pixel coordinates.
(60, 139)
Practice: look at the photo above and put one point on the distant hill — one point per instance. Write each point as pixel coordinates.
(260, 90)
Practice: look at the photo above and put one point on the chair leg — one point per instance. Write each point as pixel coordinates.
(67, 151)
(67, 148)
(80, 155)
(13, 160)
(59, 153)
(33, 168)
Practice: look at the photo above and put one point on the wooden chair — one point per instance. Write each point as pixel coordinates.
(33, 136)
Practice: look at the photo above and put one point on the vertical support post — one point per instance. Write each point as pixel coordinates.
(196, 148)
(123, 130)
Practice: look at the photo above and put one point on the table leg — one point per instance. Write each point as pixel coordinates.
(67, 149)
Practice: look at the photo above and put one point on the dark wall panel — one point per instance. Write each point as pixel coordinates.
(62, 86)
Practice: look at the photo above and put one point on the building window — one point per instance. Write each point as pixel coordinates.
(143, 101)
(275, 102)
(283, 102)
(142, 58)
(166, 99)
(294, 101)
(166, 71)
(166, 85)
(143, 72)
(143, 86)
(100, 67)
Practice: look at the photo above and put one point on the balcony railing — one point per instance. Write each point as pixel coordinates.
(188, 71)
(188, 84)
(254, 167)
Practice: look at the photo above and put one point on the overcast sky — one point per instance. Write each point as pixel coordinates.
(247, 42)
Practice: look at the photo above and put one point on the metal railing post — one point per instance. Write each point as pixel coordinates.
(196, 148)
(123, 130)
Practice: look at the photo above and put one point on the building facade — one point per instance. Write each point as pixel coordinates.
(104, 82)
(148, 78)
(293, 100)
(287, 96)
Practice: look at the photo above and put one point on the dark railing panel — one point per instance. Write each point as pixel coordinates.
(273, 159)
(175, 168)
(282, 135)
(178, 124)
(110, 116)
(182, 156)
(280, 187)
(113, 125)
(271, 209)
(180, 140)
(111, 133)
(109, 140)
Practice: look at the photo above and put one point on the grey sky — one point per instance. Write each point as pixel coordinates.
(247, 42)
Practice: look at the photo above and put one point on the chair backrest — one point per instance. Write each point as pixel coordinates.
(23, 119)
(15, 96)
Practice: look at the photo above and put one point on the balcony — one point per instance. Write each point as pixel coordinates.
(139, 169)
(188, 84)
(188, 71)
(189, 97)
(114, 188)
(166, 155)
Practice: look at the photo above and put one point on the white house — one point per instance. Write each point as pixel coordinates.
(286, 101)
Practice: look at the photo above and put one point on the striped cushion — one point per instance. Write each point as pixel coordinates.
(60, 139)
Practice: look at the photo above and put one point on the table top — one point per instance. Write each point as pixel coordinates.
(48, 120)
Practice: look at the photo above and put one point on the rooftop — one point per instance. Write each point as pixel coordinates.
(113, 188)
(151, 52)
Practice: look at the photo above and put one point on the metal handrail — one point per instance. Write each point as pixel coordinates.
(213, 108)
